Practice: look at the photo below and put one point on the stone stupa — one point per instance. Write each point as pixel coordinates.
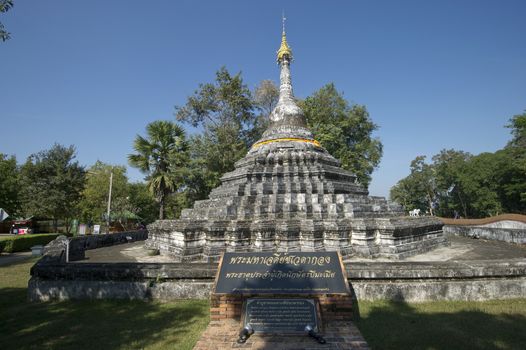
(289, 194)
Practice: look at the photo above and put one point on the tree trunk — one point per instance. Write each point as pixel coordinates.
(161, 206)
(68, 226)
(431, 207)
(463, 205)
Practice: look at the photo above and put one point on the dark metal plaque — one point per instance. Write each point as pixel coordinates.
(281, 315)
(281, 273)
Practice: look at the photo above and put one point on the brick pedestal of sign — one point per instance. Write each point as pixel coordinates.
(333, 307)
(222, 335)
(316, 279)
(335, 323)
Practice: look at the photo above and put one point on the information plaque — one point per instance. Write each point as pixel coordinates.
(280, 315)
(281, 273)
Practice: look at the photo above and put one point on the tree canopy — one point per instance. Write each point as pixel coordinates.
(459, 183)
(266, 96)
(5, 5)
(229, 118)
(344, 130)
(224, 110)
(9, 185)
(51, 183)
(512, 166)
(418, 190)
(94, 202)
(161, 155)
(141, 202)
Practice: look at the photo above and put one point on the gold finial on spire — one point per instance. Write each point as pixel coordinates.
(284, 49)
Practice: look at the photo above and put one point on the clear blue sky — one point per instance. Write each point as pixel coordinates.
(433, 74)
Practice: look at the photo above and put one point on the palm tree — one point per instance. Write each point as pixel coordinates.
(158, 155)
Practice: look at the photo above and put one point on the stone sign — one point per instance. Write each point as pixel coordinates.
(281, 273)
(280, 315)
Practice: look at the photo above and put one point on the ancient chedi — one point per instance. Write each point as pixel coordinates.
(289, 194)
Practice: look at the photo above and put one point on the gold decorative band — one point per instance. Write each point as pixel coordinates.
(294, 139)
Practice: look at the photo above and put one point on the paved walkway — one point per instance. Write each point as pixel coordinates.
(460, 249)
(464, 248)
(127, 252)
(222, 335)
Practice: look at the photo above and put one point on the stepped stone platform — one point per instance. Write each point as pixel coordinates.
(468, 269)
(289, 194)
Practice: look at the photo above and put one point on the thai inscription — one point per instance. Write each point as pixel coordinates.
(280, 315)
(266, 272)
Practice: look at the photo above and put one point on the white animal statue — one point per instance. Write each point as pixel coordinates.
(414, 212)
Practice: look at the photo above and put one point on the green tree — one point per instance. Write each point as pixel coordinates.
(450, 169)
(518, 131)
(403, 194)
(225, 111)
(512, 167)
(9, 185)
(177, 202)
(344, 130)
(480, 182)
(418, 190)
(473, 186)
(142, 202)
(5, 5)
(161, 156)
(51, 184)
(456, 181)
(94, 203)
(265, 97)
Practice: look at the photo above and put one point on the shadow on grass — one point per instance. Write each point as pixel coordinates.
(98, 324)
(398, 325)
(7, 261)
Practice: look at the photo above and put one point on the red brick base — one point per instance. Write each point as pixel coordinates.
(222, 335)
(335, 325)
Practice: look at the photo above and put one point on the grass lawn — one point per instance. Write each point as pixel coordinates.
(6, 237)
(111, 324)
(496, 324)
(95, 324)
(20, 243)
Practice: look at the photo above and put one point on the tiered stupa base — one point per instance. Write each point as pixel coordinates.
(283, 198)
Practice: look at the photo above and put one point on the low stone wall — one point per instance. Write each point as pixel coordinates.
(78, 245)
(415, 282)
(491, 231)
(63, 281)
(64, 249)
(418, 282)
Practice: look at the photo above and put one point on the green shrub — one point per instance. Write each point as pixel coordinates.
(25, 242)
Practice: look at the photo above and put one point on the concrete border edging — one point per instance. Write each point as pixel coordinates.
(414, 282)
(510, 235)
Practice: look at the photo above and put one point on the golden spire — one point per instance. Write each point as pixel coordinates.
(284, 49)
